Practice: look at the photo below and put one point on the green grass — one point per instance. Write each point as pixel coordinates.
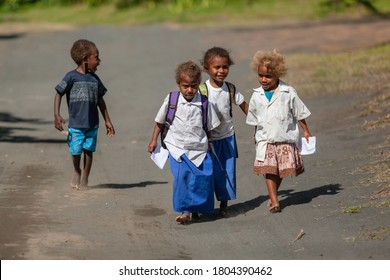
(215, 12)
(341, 73)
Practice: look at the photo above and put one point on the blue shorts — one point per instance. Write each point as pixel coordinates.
(82, 139)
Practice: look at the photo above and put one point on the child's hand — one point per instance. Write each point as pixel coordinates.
(152, 145)
(110, 129)
(59, 122)
(307, 134)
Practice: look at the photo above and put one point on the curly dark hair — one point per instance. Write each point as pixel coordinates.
(215, 52)
(81, 48)
(190, 69)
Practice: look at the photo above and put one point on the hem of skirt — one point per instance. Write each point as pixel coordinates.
(260, 170)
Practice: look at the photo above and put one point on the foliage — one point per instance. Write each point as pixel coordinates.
(339, 5)
(328, 5)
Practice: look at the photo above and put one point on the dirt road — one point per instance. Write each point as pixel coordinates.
(127, 213)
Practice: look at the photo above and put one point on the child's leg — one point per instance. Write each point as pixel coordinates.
(88, 157)
(75, 183)
(223, 208)
(273, 183)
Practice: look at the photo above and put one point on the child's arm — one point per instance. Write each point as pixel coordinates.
(153, 142)
(244, 107)
(306, 132)
(106, 117)
(58, 120)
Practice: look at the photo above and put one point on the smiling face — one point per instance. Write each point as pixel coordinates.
(188, 86)
(218, 69)
(92, 61)
(267, 80)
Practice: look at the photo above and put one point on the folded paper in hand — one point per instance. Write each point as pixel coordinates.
(307, 148)
(159, 156)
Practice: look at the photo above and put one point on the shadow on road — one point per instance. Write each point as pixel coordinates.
(292, 198)
(11, 36)
(127, 186)
(7, 133)
(295, 198)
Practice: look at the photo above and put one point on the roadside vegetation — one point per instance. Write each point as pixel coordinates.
(81, 12)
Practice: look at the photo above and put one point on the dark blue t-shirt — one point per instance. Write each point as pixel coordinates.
(82, 94)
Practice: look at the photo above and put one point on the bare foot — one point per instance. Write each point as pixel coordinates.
(275, 208)
(183, 218)
(83, 185)
(75, 182)
(82, 188)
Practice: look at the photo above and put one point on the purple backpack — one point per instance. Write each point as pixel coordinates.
(172, 106)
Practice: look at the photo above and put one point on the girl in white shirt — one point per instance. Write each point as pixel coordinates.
(275, 109)
(187, 143)
(216, 62)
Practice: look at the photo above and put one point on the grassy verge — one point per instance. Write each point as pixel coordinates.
(187, 12)
(364, 71)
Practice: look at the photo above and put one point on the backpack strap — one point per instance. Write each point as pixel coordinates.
(205, 104)
(232, 92)
(172, 106)
(203, 89)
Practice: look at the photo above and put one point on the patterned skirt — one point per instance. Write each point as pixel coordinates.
(282, 159)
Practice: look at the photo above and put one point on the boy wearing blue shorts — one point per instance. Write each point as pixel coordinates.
(84, 95)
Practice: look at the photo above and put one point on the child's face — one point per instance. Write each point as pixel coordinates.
(268, 81)
(188, 87)
(218, 69)
(93, 61)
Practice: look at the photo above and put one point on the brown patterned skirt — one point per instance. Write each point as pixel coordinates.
(282, 159)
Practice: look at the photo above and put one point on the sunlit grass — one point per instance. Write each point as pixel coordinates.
(215, 12)
(341, 73)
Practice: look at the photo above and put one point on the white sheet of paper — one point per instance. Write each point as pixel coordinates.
(306, 148)
(159, 156)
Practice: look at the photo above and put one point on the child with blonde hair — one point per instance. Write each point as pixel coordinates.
(275, 110)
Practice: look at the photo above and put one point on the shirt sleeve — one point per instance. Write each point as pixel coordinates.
(251, 118)
(65, 85)
(161, 115)
(299, 109)
(238, 98)
(102, 90)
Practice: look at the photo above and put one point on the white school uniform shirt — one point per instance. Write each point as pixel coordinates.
(186, 134)
(276, 120)
(220, 97)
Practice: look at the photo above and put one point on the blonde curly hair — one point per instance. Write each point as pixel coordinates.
(273, 60)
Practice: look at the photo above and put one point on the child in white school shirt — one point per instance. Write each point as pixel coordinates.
(275, 109)
(187, 143)
(216, 62)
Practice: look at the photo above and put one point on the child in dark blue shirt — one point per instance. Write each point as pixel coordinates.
(84, 95)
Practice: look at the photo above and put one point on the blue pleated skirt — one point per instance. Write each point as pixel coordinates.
(224, 168)
(192, 186)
